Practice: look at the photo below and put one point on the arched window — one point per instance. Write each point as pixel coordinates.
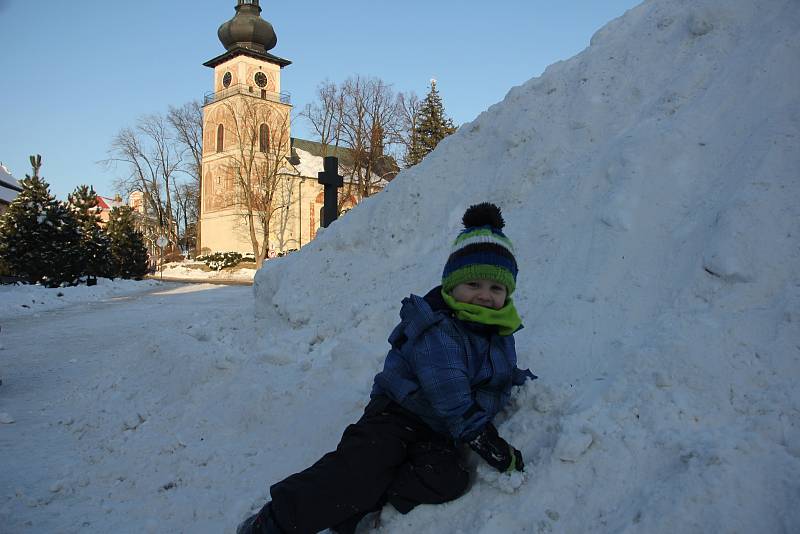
(220, 138)
(263, 138)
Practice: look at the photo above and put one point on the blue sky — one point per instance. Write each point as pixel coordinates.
(76, 72)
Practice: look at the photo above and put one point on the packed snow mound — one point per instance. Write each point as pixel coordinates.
(23, 299)
(650, 186)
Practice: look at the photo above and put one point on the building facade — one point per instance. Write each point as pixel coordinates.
(254, 174)
(105, 205)
(9, 188)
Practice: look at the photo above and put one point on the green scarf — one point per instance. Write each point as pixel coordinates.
(505, 319)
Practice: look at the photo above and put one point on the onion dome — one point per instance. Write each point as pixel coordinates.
(247, 29)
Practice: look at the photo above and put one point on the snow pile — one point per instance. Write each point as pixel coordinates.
(650, 187)
(191, 271)
(20, 300)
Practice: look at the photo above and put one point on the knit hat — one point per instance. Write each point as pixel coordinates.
(481, 250)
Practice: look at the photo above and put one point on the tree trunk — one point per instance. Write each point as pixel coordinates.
(197, 224)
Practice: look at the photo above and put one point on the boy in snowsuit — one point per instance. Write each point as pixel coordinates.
(449, 371)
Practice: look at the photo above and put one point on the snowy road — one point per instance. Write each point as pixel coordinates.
(52, 365)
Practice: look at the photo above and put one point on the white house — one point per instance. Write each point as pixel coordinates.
(9, 188)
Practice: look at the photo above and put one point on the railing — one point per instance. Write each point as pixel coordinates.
(241, 89)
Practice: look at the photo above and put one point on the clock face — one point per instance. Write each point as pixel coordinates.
(226, 79)
(261, 79)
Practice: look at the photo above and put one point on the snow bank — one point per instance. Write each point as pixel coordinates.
(186, 271)
(20, 300)
(650, 186)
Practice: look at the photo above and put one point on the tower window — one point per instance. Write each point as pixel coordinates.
(263, 138)
(220, 138)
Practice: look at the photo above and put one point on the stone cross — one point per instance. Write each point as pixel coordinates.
(332, 181)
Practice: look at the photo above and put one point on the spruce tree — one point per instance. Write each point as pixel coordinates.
(39, 237)
(432, 126)
(128, 251)
(94, 243)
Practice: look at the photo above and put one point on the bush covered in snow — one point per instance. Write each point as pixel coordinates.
(222, 260)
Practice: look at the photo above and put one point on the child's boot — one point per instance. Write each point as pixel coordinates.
(261, 523)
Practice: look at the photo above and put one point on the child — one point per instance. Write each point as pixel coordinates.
(448, 373)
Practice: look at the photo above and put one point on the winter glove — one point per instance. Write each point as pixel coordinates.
(496, 451)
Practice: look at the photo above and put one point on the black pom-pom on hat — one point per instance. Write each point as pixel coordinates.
(483, 214)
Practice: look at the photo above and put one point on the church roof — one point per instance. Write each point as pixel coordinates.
(105, 203)
(9, 186)
(242, 51)
(314, 148)
(387, 169)
(247, 34)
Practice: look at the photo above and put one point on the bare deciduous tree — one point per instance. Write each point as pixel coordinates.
(187, 212)
(156, 152)
(361, 115)
(152, 159)
(258, 165)
(408, 106)
(187, 123)
(369, 114)
(325, 115)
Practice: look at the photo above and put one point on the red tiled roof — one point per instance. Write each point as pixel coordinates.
(106, 203)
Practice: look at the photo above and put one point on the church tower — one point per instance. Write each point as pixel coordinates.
(246, 130)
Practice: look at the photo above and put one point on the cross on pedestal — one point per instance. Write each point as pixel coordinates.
(332, 181)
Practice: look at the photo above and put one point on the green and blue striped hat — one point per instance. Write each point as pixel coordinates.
(481, 250)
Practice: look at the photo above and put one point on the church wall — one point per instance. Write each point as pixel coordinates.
(226, 229)
(225, 232)
(297, 225)
(243, 70)
(275, 114)
(223, 229)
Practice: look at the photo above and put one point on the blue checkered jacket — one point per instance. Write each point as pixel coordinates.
(453, 374)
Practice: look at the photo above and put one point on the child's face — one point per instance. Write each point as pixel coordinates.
(486, 293)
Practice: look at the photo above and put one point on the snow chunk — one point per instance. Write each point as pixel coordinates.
(504, 482)
(699, 25)
(728, 255)
(572, 445)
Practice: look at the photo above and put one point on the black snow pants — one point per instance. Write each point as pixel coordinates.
(389, 455)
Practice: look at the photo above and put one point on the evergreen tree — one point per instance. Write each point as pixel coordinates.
(39, 237)
(94, 242)
(128, 252)
(432, 126)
